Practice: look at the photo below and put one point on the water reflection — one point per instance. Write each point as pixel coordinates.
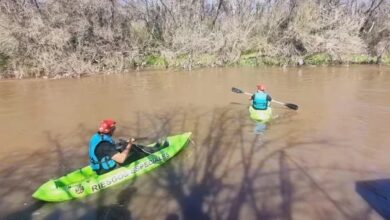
(259, 128)
(216, 168)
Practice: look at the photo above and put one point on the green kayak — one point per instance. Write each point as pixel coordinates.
(262, 116)
(85, 181)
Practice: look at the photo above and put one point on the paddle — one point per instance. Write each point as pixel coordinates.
(122, 144)
(141, 148)
(288, 105)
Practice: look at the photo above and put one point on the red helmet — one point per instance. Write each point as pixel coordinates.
(260, 87)
(106, 126)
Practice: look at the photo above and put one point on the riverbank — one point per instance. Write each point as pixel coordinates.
(52, 39)
(188, 62)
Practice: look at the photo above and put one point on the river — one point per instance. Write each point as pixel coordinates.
(307, 164)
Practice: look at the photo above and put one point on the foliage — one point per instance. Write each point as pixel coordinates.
(363, 59)
(317, 59)
(249, 59)
(156, 61)
(3, 61)
(53, 38)
(386, 59)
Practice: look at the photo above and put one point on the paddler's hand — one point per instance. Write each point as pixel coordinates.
(129, 143)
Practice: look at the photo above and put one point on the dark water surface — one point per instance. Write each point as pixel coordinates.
(305, 165)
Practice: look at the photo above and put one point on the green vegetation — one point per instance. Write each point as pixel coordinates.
(363, 59)
(386, 59)
(180, 61)
(318, 59)
(3, 62)
(254, 60)
(156, 61)
(273, 61)
(249, 59)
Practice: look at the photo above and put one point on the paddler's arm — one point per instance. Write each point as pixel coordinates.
(120, 157)
(252, 96)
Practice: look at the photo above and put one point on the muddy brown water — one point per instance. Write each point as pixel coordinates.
(305, 165)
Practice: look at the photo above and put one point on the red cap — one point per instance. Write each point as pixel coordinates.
(106, 126)
(260, 87)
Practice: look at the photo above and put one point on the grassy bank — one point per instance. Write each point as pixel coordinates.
(257, 60)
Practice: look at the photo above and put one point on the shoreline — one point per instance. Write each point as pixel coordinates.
(52, 39)
(155, 62)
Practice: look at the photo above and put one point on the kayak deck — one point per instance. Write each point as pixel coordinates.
(85, 181)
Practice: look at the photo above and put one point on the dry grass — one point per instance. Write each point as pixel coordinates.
(52, 38)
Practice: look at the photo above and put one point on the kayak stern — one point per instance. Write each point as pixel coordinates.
(262, 116)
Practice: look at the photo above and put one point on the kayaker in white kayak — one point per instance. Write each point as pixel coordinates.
(103, 151)
(260, 99)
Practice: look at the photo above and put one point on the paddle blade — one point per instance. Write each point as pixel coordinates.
(237, 90)
(291, 106)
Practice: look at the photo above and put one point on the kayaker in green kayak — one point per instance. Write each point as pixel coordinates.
(105, 154)
(103, 151)
(84, 181)
(260, 99)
